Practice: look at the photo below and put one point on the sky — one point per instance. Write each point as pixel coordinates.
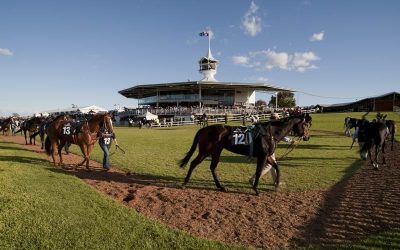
(57, 53)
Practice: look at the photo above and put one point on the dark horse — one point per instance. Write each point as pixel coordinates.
(350, 123)
(5, 125)
(61, 131)
(265, 136)
(31, 126)
(372, 134)
(391, 125)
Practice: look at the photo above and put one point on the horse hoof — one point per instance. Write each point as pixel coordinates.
(222, 189)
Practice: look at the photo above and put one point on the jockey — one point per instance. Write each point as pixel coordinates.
(105, 139)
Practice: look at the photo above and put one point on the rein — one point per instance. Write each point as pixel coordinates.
(291, 147)
(295, 143)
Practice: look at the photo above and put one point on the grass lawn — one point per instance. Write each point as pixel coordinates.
(41, 208)
(318, 163)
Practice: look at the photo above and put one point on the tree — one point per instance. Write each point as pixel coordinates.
(261, 103)
(285, 100)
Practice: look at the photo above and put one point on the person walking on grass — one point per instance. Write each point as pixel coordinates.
(105, 141)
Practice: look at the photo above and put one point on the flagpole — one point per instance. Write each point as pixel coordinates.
(209, 43)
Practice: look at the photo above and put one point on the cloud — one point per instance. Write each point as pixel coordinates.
(241, 60)
(276, 60)
(317, 37)
(6, 52)
(271, 59)
(261, 79)
(251, 22)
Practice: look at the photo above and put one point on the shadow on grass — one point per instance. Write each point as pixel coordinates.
(365, 202)
(22, 159)
(2, 147)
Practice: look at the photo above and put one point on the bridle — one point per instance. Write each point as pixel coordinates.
(297, 140)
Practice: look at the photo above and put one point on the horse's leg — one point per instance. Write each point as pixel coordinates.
(261, 161)
(271, 160)
(383, 153)
(26, 141)
(377, 152)
(264, 171)
(53, 148)
(89, 151)
(59, 149)
(199, 158)
(214, 162)
(42, 141)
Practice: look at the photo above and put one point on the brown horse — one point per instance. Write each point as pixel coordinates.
(43, 126)
(61, 131)
(261, 144)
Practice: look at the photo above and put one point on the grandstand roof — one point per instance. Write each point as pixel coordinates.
(146, 90)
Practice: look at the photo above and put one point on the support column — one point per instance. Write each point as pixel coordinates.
(276, 100)
(158, 97)
(394, 101)
(201, 108)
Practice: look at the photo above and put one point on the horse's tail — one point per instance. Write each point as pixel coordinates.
(189, 154)
(47, 145)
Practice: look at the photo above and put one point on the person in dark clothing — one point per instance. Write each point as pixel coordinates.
(105, 140)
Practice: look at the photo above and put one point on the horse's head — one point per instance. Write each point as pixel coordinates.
(107, 122)
(380, 117)
(302, 125)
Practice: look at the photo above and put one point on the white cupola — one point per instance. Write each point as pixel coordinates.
(208, 65)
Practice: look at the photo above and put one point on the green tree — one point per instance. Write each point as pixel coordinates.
(261, 103)
(285, 100)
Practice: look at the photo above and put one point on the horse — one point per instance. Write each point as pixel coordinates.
(61, 131)
(202, 121)
(43, 126)
(6, 125)
(372, 134)
(262, 139)
(32, 127)
(350, 123)
(391, 125)
(144, 122)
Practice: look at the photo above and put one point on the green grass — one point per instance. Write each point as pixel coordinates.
(41, 207)
(319, 163)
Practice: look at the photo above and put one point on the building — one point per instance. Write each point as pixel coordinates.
(386, 102)
(75, 109)
(207, 92)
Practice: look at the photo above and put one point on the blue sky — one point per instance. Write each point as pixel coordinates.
(57, 53)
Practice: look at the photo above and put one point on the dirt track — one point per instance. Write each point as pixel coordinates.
(354, 208)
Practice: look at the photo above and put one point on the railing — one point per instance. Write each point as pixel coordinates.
(219, 118)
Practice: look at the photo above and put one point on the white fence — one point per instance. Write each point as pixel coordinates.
(221, 119)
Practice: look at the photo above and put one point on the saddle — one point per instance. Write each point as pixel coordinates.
(72, 128)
